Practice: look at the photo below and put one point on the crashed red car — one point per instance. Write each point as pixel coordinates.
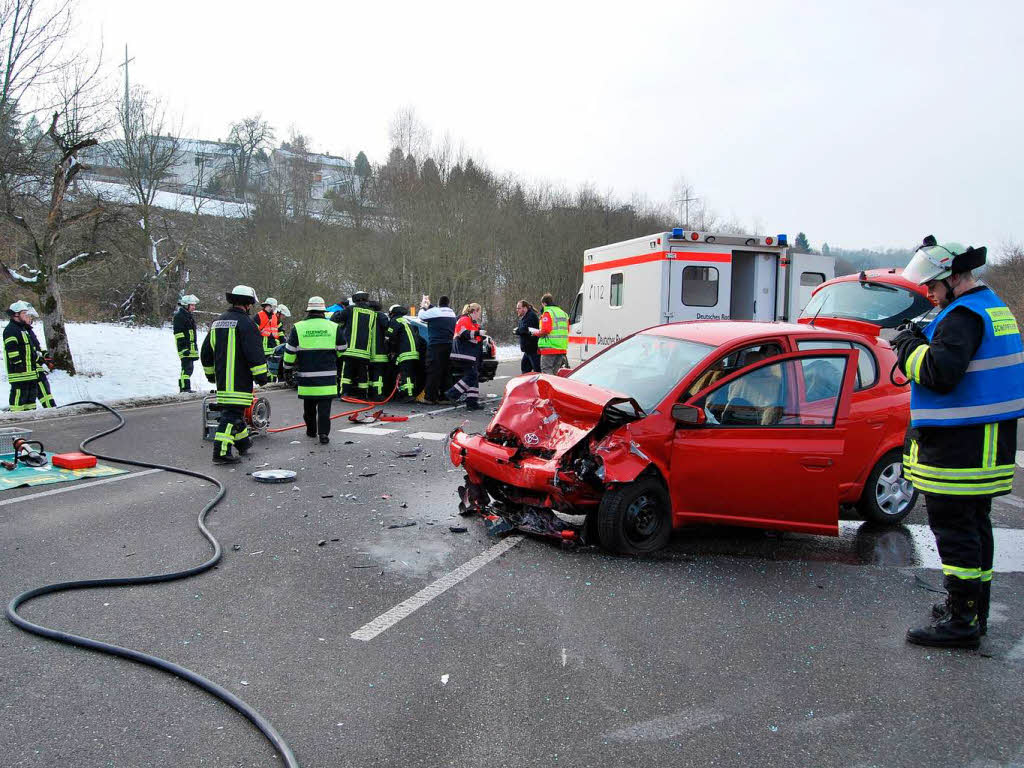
(770, 425)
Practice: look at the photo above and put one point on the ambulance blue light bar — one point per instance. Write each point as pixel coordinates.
(783, 239)
(677, 232)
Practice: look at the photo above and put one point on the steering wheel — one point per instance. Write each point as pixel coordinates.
(733, 405)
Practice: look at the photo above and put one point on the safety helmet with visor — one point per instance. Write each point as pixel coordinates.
(242, 294)
(269, 302)
(22, 306)
(932, 261)
(282, 309)
(187, 299)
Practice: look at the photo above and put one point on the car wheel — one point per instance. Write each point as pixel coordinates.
(634, 519)
(888, 497)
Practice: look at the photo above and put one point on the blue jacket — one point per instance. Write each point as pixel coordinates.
(440, 324)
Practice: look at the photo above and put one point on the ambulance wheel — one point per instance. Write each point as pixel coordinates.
(634, 519)
(888, 497)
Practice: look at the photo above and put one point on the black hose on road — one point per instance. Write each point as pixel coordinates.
(279, 744)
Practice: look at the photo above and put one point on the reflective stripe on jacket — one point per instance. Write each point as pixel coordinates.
(466, 343)
(233, 355)
(313, 349)
(185, 334)
(992, 389)
(557, 341)
(268, 330)
(360, 331)
(20, 353)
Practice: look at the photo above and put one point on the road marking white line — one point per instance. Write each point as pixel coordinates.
(428, 435)
(387, 620)
(565, 658)
(499, 378)
(54, 492)
(431, 413)
(368, 431)
(1013, 501)
(1020, 459)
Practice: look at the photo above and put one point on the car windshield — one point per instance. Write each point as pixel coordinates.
(884, 305)
(644, 367)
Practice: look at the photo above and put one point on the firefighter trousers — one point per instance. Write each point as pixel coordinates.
(963, 532)
(377, 376)
(188, 364)
(354, 377)
(408, 384)
(316, 412)
(232, 431)
(25, 393)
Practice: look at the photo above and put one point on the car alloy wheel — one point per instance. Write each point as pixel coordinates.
(893, 492)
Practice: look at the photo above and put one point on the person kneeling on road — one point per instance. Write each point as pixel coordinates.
(314, 350)
(232, 358)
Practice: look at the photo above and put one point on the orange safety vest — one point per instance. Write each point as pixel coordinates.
(268, 329)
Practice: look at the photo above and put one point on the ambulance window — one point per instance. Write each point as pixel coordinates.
(811, 279)
(867, 368)
(700, 286)
(576, 315)
(615, 292)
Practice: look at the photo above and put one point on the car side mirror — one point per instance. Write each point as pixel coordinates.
(563, 373)
(688, 415)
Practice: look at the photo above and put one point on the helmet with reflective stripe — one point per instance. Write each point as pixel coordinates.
(397, 310)
(188, 299)
(316, 303)
(242, 294)
(932, 261)
(282, 309)
(23, 306)
(269, 302)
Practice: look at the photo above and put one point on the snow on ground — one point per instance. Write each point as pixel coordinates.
(171, 200)
(118, 362)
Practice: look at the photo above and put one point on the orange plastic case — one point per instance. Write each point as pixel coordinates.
(73, 460)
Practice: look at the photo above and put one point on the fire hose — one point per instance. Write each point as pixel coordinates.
(264, 725)
(367, 405)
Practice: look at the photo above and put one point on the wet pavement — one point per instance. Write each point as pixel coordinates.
(732, 647)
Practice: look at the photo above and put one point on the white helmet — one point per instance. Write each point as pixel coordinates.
(188, 299)
(242, 294)
(932, 261)
(282, 309)
(316, 303)
(23, 306)
(269, 302)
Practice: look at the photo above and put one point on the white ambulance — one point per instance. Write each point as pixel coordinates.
(684, 275)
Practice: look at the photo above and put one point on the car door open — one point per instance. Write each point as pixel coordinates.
(768, 450)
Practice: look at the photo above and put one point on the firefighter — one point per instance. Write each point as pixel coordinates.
(553, 336)
(405, 343)
(232, 357)
(268, 322)
(467, 346)
(314, 349)
(359, 323)
(26, 361)
(380, 370)
(185, 340)
(967, 391)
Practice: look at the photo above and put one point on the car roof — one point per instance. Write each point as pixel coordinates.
(720, 332)
(888, 275)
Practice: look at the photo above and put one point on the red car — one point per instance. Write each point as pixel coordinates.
(770, 425)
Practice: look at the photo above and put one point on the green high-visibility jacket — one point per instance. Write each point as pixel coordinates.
(313, 349)
(558, 339)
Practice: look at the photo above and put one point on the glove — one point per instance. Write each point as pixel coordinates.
(49, 363)
(262, 380)
(908, 334)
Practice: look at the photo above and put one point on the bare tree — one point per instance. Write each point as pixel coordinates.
(1006, 276)
(408, 133)
(250, 137)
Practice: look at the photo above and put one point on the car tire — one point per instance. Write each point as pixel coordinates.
(887, 497)
(635, 519)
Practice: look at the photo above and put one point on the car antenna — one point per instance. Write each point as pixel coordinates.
(819, 310)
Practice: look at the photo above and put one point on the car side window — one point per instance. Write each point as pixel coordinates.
(867, 367)
(765, 397)
(734, 361)
(576, 315)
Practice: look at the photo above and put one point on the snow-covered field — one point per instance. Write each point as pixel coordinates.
(173, 201)
(117, 363)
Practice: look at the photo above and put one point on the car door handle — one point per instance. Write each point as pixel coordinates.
(876, 423)
(816, 462)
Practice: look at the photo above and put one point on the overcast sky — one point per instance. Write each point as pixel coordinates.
(861, 123)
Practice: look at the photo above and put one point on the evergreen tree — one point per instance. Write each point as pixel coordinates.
(801, 245)
(362, 166)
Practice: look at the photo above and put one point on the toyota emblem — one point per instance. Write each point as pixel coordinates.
(530, 438)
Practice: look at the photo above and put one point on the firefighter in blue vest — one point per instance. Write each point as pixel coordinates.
(185, 340)
(232, 357)
(25, 360)
(967, 391)
(407, 347)
(314, 349)
(359, 323)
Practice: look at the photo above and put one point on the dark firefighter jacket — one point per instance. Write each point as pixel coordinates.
(313, 349)
(971, 460)
(360, 328)
(185, 334)
(404, 340)
(232, 355)
(22, 353)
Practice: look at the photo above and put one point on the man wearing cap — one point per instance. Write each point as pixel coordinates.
(314, 350)
(25, 360)
(967, 391)
(232, 357)
(185, 340)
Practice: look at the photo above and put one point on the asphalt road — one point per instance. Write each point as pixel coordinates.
(732, 648)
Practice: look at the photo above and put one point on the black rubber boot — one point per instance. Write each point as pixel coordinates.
(941, 611)
(959, 629)
(473, 405)
(324, 439)
(229, 458)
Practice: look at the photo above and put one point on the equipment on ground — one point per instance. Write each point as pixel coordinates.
(257, 417)
(274, 475)
(74, 460)
(61, 636)
(24, 453)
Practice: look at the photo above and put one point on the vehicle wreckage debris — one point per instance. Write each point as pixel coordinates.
(408, 524)
(458, 528)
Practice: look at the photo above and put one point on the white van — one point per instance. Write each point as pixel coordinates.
(682, 275)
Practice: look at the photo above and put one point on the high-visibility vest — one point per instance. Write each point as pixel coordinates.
(315, 357)
(992, 389)
(268, 330)
(558, 339)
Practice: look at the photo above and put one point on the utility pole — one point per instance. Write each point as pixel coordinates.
(126, 114)
(684, 200)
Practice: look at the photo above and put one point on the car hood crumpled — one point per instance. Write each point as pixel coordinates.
(550, 413)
